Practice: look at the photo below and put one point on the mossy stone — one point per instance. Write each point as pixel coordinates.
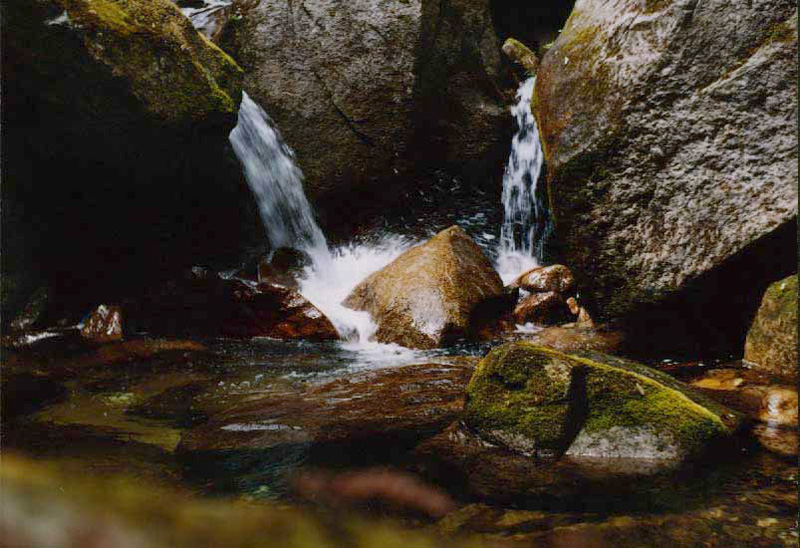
(543, 402)
(772, 340)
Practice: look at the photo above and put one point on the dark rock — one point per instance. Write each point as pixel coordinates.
(32, 312)
(103, 325)
(541, 402)
(643, 137)
(542, 279)
(136, 105)
(772, 341)
(272, 310)
(541, 309)
(24, 393)
(428, 296)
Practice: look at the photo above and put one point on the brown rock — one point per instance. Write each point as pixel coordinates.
(555, 277)
(273, 310)
(541, 308)
(573, 305)
(433, 293)
(570, 339)
(396, 488)
(103, 325)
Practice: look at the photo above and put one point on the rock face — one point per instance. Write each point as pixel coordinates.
(432, 294)
(541, 402)
(117, 112)
(364, 91)
(772, 341)
(669, 131)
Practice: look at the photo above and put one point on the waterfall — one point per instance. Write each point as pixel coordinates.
(526, 223)
(277, 184)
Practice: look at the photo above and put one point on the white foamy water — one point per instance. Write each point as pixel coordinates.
(524, 225)
(347, 266)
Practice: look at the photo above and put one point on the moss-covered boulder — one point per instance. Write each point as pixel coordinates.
(168, 69)
(772, 341)
(433, 294)
(118, 112)
(541, 402)
(670, 126)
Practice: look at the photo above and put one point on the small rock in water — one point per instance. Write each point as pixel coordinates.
(541, 279)
(103, 325)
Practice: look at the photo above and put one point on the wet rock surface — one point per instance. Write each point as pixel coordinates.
(772, 340)
(359, 420)
(541, 402)
(636, 123)
(556, 278)
(433, 294)
(103, 325)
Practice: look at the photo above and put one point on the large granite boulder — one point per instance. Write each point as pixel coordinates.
(433, 294)
(540, 402)
(669, 131)
(368, 91)
(772, 341)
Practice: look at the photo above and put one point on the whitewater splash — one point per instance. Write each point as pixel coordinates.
(277, 184)
(526, 225)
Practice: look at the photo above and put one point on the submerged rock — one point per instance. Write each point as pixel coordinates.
(570, 338)
(772, 341)
(433, 294)
(371, 417)
(541, 402)
(670, 127)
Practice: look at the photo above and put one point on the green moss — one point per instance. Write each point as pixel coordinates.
(523, 389)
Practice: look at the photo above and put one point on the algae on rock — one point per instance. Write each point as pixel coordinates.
(772, 341)
(543, 402)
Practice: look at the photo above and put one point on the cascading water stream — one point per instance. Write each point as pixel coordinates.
(526, 225)
(277, 184)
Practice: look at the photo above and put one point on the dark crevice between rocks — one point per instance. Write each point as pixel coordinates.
(578, 406)
(535, 24)
(709, 318)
